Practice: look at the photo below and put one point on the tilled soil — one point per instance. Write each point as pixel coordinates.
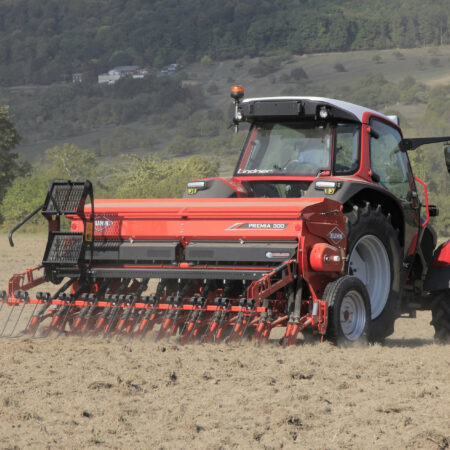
(75, 393)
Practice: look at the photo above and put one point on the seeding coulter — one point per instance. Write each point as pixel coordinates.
(313, 233)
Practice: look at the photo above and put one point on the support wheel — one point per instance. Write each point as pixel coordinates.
(348, 310)
(374, 256)
(440, 310)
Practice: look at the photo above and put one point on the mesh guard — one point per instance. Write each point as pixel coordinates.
(67, 197)
(64, 248)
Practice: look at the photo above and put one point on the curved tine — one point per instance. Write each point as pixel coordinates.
(120, 291)
(18, 318)
(99, 295)
(145, 282)
(148, 317)
(197, 319)
(159, 290)
(23, 332)
(6, 321)
(64, 287)
(137, 295)
(222, 318)
(69, 307)
(3, 301)
(188, 318)
(252, 307)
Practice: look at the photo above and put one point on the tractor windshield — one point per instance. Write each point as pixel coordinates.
(286, 149)
(298, 149)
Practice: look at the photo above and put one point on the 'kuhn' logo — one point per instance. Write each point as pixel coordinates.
(336, 235)
(102, 223)
(257, 226)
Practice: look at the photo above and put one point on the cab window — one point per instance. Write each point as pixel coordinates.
(346, 156)
(387, 161)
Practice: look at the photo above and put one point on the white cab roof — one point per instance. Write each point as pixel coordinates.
(356, 110)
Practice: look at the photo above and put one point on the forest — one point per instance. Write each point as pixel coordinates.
(148, 137)
(44, 42)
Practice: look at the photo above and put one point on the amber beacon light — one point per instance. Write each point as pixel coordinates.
(237, 92)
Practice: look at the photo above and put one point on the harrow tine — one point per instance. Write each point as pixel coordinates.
(112, 313)
(180, 339)
(237, 328)
(69, 307)
(211, 327)
(265, 334)
(178, 303)
(202, 300)
(94, 299)
(168, 317)
(130, 301)
(171, 300)
(226, 305)
(130, 323)
(80, 318)
(192, 319)
(39, 296)
(4, 299)
(18, 295)
(26, 299)
(194, 331)
(262, 323)
(7, 320)
(118, 297)
(215, 318)
(35, 321)
(148, 320)
(100, 322)
(247, 319)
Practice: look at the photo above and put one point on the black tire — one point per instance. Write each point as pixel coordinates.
(440, 313)
(348, 311)
(366, 223)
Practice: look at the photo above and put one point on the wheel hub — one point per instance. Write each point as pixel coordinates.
(353, 315)
(369, 262)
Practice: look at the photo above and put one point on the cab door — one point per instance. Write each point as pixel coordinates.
(392, 170)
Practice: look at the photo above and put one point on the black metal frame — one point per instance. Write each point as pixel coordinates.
(74, 195)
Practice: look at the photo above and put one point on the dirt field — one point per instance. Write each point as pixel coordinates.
(72, 393)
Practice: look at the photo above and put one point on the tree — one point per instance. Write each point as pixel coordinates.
(152, 177)
(10, 166)
(72, 162)
(22, 198)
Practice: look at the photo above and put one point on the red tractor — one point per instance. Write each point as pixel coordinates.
(306, 147)
(320, 231)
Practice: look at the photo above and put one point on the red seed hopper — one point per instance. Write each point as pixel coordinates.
(224, 269)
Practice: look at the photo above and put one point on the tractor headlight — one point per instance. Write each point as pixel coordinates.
(323, 113)
(199, 185)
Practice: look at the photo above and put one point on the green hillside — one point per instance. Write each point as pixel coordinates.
(43, 42)
(393, 56)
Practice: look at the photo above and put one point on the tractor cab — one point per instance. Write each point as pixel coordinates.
(295, 141)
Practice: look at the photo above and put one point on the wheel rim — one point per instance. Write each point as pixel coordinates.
(369, 262)
(353, 315)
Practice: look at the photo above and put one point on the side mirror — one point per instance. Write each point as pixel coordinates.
(447, 157)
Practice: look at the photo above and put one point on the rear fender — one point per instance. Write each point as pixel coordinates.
(438, 276)
(352, 192)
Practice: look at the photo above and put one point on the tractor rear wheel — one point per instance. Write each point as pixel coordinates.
(348, 310)
(374, 256)
(440, 311)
